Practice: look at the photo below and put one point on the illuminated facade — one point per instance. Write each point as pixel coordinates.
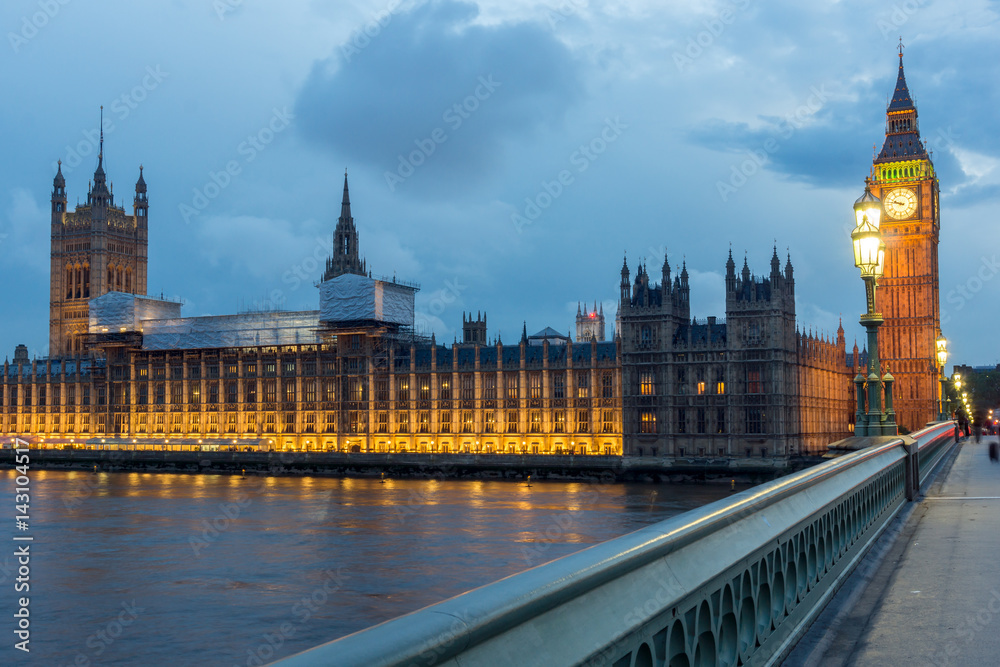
(351, 376)
(903, 177)
(749, 386)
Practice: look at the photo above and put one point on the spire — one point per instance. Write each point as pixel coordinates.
(775, 262)
(346, 257)
(99, 194)
(140, 185)
(624, 267)
(524, 332)
(901, 96)
(59, 181)
(345, 205)
(746, 269)
(902, 132)
(100, 152)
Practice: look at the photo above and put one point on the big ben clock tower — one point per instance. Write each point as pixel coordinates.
(903, 177)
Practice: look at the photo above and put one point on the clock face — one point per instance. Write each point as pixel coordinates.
(900, 203)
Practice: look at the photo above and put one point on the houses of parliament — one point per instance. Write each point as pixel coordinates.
(353, 375)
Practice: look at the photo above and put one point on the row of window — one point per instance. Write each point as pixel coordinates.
(754, 421)
(313, 390)
(269, 368)
(681, 451)
(44, 395)
(356, 422)
(753, 377)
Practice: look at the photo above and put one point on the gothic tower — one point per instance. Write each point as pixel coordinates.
(474, 330)
(903, 178)
(590, 323)
(345, 257)
(96, 249)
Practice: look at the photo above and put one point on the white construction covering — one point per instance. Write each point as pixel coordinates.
(352, 298)
(117, 311)
(243, 330)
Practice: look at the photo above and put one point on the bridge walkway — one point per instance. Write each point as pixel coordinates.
(929, 592)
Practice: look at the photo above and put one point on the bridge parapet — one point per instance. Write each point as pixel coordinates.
(733, 583)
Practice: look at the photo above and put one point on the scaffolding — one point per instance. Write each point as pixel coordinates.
(222, 331)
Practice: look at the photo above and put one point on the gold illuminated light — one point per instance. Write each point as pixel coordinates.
(868, 205)
(869, 250)
(941, 345)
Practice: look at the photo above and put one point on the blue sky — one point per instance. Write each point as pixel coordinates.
(502, 154)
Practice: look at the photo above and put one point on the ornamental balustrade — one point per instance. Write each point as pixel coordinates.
(736, 582)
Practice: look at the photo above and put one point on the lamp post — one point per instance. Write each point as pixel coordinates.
(957, 381)
(869, 257)
(941, 344)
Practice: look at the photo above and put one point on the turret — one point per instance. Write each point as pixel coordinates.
(58, 195)
(684, 297)
(665, 282)
(626, 291)
(730, 273)
(474, 330)
(141, 203)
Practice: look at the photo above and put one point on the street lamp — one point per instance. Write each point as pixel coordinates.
(941, 345)
(869, 257)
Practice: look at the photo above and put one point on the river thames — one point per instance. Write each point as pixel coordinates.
(157, 569)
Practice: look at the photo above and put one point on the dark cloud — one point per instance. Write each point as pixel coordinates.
(821, 143)
(379, 97)
(827, 143)
(972, 196)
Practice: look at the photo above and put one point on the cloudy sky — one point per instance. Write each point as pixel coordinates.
(502, 154)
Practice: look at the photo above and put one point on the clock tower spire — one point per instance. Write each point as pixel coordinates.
(903, 177)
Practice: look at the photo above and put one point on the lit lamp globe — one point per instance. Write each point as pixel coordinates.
(869, 249)
(941, 344)
(868, 206)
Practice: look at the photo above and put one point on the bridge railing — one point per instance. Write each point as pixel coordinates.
(734, 582)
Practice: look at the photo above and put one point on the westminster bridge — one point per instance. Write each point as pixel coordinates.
(873, 557)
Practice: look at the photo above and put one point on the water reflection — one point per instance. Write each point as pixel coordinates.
(215, 562)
